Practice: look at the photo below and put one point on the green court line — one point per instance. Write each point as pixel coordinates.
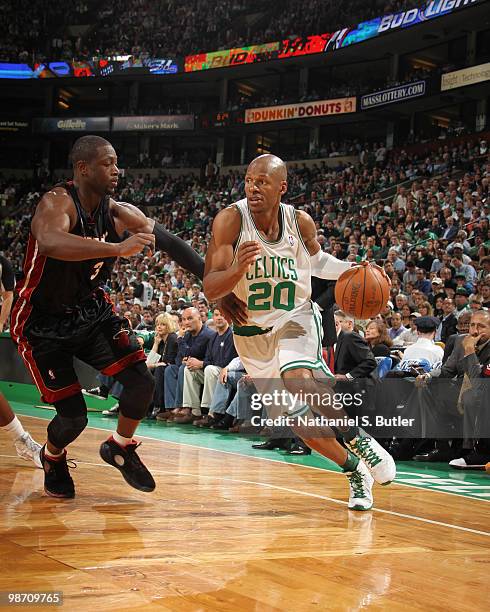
(431, 476)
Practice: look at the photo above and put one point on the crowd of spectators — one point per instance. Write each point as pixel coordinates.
(424, 216)
(165, 28)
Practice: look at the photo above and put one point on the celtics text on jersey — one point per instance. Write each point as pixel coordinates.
(279, 282)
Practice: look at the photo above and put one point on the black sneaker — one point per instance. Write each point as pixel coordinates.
(96, 392)
(473, 461)
(57, 479)
(126, 460)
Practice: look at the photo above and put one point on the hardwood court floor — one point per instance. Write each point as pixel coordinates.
(229, 533)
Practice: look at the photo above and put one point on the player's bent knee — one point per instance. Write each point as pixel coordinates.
(70, 421)
(139, 386)
(295, 381)
(64, 430)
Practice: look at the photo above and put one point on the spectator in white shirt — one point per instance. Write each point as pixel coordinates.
(425, 348)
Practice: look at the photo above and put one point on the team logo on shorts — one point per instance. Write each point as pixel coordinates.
(51, 374)
(291, 240)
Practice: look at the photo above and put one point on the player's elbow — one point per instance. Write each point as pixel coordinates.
(213, 290)
(44, 248)
(211, 293)
(47, 245)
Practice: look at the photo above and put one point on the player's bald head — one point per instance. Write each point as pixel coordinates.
(268, 164)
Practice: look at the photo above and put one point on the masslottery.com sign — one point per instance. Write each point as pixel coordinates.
(394, 94)
(303, 110)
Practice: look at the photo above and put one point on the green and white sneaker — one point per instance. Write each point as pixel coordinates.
(378, 461)
(360, 488)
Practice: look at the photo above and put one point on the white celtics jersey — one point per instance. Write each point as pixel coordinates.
(280, 280)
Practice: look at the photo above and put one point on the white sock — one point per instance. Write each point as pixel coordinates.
(14, 428)
(53, 455)
(121, 440)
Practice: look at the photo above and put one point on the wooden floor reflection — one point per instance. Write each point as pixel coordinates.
(226, 532)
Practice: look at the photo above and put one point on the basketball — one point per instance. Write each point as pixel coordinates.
(362, 292)
(487, 467)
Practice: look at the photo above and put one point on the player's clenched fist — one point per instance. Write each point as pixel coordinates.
(246, 255)
(135, 244)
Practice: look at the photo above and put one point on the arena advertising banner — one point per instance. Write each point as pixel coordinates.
(323, 43)
(78, 124)
(393, 94)
(153, 123)
(229, 57)
(15, 126)
(99, 67)
(467, 76)
(289, 47)
(303, 110)
(403, 19)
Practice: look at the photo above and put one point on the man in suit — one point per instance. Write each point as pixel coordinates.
(462, 327)
(450, 231)
(354, 363)
(449, 321)
(469, 364)
(353, 357)
(475, 392)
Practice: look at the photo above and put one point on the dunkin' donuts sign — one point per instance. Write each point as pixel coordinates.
(303, 110)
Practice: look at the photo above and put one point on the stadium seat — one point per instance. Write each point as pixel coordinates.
(384, 365)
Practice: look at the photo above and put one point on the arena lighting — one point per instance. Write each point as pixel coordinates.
(417, 62)
(441, 121)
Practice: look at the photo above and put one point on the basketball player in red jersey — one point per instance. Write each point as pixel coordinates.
(77, 232)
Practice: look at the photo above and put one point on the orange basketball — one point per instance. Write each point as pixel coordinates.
(362, 292)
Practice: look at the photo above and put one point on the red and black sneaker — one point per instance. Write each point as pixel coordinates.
(57, 480)
(126, 460)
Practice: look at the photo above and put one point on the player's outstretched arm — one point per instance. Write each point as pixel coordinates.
(223, 270)
(55, 217)
(323, 265)
(129, 218)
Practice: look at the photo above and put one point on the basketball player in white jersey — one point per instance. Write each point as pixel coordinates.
(266, 252)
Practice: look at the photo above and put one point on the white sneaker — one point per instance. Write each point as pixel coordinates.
(360, 488)
(28, 449)
(458, 463)
(114, 411)
(378, 461)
